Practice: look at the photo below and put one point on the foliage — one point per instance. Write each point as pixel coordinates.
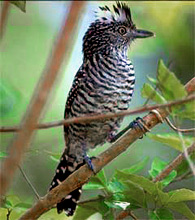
(126, 189)
(170, 89)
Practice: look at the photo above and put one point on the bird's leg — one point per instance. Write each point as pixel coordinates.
(88, 160)
(138, 122)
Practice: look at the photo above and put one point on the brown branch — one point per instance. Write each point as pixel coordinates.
(4, 14)
(82, 175)
(22, 139)
(174, 164)
(88, 119)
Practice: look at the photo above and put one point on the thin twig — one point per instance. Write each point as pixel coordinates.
(40, 96)
(187, 130)
(88, 119)
(4, 14)
(29, 183)
(186, 153)
(183, 177)
(175, 163)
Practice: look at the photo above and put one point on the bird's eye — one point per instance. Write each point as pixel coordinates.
(122, 30)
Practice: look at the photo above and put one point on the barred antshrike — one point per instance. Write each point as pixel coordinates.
(104, 83)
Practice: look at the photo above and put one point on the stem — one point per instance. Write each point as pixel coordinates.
(29, 183)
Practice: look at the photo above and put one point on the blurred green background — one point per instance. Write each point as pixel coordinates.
(26, 46)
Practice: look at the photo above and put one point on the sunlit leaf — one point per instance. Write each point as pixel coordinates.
(141, 181)
(152, 80)
(157, 166)
(181, 195)
(97, 182)
(186, 111)
(172, 140)
(149, 92)
(169, 84)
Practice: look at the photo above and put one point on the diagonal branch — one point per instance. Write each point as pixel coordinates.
(88, 119)
(81, 176)
(41, 94)
(175, 163)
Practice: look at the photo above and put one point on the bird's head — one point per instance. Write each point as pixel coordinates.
(112, 30)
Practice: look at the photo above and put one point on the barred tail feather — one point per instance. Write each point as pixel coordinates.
(66, 167)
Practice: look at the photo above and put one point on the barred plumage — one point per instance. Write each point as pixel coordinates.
(104, 83)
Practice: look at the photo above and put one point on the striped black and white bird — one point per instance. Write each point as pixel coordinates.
(104, 83)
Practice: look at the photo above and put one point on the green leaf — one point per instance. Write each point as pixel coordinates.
(133, 191)
(3, 154)
(98, 181)
(13, 199)
(172, 140)
(136, 167)
(152, 80)
(149, 92)
(181, 208)
(170, 86)
(157, 166)
(181, 195)
(10, 98)
(161, 213)
(140, 181)
(152, 215)
(23, 205)
(20, 4)
(186, 110)
(7, 204)
(86, 210)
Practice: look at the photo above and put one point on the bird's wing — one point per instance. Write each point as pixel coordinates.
(79, 77)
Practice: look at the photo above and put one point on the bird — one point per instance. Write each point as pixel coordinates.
(104, 83)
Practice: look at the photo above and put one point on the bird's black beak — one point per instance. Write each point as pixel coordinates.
(142, 33)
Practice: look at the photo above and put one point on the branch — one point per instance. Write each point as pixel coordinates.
(82, 175)
(175, 163)
(88, 119)
(40, 96)
(4, 14)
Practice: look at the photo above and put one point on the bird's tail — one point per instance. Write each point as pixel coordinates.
(67, 166)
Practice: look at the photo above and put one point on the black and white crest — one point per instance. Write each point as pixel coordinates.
(120, 13)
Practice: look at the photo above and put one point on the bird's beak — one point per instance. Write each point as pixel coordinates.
(142, 33)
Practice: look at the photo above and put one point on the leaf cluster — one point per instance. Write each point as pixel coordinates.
(128, 190)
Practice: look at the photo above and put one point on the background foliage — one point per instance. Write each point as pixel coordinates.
(26, 45)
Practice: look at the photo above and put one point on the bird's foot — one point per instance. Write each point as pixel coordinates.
(88, 161)
(139, 123)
